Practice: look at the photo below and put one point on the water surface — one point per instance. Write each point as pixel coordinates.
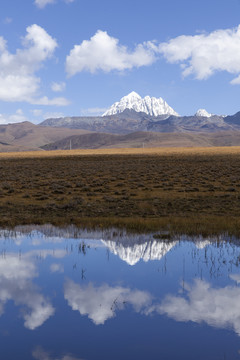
(70, 295)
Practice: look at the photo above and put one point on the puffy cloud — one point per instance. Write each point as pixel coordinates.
(218, 307)
(18, 81)
(58, 87)
(203, 55)
(100, 303)
(103, 52)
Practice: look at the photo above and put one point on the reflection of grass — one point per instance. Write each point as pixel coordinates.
(191, 191)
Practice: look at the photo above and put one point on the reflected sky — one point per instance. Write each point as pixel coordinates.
(70, 294)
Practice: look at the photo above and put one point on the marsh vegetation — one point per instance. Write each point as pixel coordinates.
(183, 191)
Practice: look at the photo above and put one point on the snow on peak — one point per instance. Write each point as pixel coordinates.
(133, 95)
(203, 112)
(147, 251)
(151, 106)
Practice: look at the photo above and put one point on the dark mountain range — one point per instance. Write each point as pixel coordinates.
(127, 129)
(132, 121)
(233, 119)
(123, 123)
(145, 139)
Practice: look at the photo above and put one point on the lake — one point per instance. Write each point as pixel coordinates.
(70, 294)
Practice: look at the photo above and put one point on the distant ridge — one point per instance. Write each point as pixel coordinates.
(131, 121)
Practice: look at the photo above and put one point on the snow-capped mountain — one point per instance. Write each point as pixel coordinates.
(151, 106)
(132, 254)
(203, 113)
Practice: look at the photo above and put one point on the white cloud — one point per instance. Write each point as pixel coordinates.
(18, 81)
(101, 303)
(58, 101)
(14, 118)
(58, 87)
(218, 307)
(236, 81)
(42, 3)
(103, 52)
(205, 54)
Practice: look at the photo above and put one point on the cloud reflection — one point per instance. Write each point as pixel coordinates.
(101, 303)
(218, 307)
(16, 276)
(41, 354)
(56, 268)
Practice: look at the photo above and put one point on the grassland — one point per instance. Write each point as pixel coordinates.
(182, 190)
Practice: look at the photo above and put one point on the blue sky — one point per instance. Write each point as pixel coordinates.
(77, 57)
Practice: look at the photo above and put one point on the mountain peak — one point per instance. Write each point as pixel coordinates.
(133, 95)
(203, 113)
(151, 106)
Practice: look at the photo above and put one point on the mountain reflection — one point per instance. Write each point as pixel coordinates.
(40, 354)
(100, 303)
(132, 253)
(218, 307)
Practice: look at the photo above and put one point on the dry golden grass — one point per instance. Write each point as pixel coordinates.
(128, 151)
(186, 190)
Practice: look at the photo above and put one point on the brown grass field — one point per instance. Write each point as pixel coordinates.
(181, 190)
(126, 151)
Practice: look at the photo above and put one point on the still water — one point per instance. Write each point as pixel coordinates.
(67, 294)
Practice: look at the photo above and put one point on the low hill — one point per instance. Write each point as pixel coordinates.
(145, 139)
(27, 136)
